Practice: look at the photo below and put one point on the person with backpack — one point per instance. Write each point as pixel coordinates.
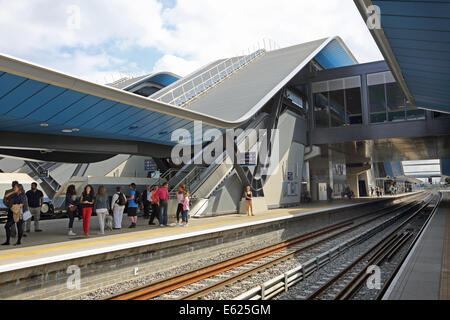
(118, 204)
(133, 204)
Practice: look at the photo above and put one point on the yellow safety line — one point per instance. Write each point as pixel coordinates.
(84, 244)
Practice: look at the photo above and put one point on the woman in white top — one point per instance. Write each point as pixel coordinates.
(118, 205)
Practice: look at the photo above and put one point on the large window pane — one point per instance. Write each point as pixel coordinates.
(395, 102)
(354, 105)
(413, 113)
(377, 103)
(440, 115)
(337, 108)
(321, 110)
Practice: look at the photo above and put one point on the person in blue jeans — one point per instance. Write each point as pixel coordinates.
(164, 197)
(132, 206)
(186, 208)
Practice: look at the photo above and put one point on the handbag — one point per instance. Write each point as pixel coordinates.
(17, 212)
(26, 215)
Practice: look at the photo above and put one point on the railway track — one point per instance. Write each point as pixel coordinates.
(346, 283)
(199, 283)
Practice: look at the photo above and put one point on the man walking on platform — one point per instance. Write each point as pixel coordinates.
(35, 200)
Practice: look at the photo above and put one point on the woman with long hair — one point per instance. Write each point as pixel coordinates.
(249, 200)
(72, 206)
(87, 203)
(15, 216)
(102, 208)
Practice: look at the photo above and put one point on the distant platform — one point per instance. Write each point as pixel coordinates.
(426, 272)
(53, 245)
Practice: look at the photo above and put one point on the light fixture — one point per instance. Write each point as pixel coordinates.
(44, 124)
(67, 131)
(76, 130)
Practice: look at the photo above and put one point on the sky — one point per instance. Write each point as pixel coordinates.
(105, 40)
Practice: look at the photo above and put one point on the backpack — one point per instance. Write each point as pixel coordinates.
(138, 197)
(122, 200)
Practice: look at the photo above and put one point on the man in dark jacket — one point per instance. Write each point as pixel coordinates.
(147, 201)
(8, 204)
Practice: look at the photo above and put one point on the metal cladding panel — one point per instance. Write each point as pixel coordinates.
(334, 56)
(56, 105)
(37, 101)
(8, 82)
(36, 107)
(164, 79)
(255, 84)
(20, 94)
(105, 116)
(419, 35)
(393, 169)
(445, 167)
(70, 110)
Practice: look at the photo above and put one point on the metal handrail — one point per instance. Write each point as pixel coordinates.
(208, 79)
(215, 75)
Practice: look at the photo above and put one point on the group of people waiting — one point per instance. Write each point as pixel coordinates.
(153, 198)
(19, 203)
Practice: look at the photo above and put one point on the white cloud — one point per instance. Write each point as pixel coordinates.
(180, 66)
(192, 33)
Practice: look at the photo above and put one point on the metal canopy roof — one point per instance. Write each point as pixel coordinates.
(415, 41)
(243, 94)
(34, 99)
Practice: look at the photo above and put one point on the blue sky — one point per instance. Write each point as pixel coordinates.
(103, 40)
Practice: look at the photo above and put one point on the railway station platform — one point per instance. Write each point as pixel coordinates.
(426, 272)
(43, 259)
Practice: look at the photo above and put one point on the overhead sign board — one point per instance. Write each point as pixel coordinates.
(150, 165)
(247, 159)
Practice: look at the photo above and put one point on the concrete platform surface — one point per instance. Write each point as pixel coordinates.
(425, 274)
(54, 245)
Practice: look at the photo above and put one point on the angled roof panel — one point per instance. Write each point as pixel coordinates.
(244, 93)
(415, 41)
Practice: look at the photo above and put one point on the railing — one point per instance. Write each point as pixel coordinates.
(190, 179)
(184, 93)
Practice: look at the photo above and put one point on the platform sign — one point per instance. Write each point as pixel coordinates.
(290, 176)
(44, 174)
(247, 159)
(150, 165)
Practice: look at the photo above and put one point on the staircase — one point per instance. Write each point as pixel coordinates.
(50, 185)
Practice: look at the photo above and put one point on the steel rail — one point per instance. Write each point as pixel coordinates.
(176, 282)
(282, 282)
(384, 248)
(179, 281)
(246, 273)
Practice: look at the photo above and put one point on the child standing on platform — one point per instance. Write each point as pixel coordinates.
(186, 208)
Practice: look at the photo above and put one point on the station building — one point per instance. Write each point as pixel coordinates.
(341, 124)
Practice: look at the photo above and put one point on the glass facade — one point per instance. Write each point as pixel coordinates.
(337, 102)
(439, 115)
(387, 102)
